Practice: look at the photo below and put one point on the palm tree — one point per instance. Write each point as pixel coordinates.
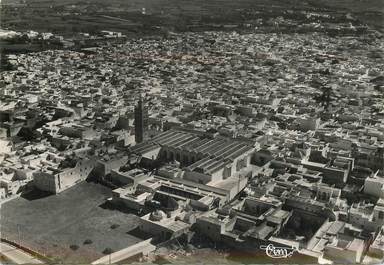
(326, 96)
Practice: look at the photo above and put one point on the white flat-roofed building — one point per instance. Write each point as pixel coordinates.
(374, 185)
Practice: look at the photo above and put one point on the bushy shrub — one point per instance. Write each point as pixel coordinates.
(114, 226)
(107, 251)
(88, 242)
(74, 247)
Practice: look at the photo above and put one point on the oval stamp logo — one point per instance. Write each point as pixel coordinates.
(278, 252)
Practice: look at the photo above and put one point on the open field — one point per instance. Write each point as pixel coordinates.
(52, 224)
(145, 16)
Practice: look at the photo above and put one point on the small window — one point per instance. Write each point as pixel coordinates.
(381, 215)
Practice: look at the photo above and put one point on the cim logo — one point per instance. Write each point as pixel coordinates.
(278, 252)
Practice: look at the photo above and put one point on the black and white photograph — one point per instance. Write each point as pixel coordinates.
(153, 132)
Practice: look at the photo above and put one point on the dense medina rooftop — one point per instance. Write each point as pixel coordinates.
(205, 62)
(234, 139)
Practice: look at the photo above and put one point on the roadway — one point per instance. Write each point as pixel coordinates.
(17, 256)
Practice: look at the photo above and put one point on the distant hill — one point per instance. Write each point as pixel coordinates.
(368, 11)
(146, 16)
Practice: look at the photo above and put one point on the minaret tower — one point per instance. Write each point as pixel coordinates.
(141, 116)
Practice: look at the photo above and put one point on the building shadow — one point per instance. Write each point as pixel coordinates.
(35, 194)
(138, 233)
(113, 206)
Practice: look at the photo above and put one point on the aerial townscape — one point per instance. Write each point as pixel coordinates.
(218, 143)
